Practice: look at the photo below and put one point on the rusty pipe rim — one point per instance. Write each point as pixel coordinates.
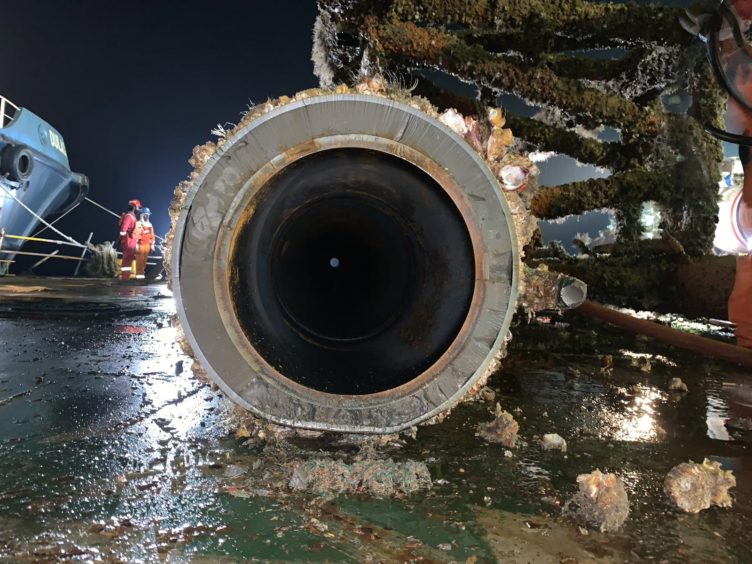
(200, 272)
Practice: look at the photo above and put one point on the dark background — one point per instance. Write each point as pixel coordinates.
(133, 86)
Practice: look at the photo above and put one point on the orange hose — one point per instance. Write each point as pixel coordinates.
(702, 345)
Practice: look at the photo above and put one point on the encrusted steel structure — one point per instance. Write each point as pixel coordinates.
(349, 259)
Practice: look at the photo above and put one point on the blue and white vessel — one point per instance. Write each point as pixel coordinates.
(34, 174)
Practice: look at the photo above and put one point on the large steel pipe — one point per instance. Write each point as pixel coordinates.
(345, 262)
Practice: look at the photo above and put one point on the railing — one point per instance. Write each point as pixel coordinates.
(7, 111)
(45, 256)
(69, 241)
(56, 253)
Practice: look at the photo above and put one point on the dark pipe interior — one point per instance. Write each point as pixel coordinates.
(355, 272)
(344, 268)
(24, 163)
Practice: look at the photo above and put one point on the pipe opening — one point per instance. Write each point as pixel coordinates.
(355, 297)
(354, 273)
(24, 164)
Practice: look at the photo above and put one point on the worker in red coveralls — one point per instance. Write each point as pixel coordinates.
(128, 238)
(145, 245)
(727, 33)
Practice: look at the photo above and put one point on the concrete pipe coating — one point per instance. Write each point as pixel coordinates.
(345, 262)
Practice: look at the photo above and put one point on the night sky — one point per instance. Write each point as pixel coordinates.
(133, 86)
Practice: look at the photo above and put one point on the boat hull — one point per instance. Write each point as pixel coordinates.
(50, 187)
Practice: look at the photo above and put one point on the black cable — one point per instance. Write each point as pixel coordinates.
(744, 154)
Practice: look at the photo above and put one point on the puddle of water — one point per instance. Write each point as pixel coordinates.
(717, 414)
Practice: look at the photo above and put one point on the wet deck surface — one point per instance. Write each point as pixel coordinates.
(111, 448)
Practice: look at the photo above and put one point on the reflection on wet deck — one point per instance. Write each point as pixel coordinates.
(113, 449)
